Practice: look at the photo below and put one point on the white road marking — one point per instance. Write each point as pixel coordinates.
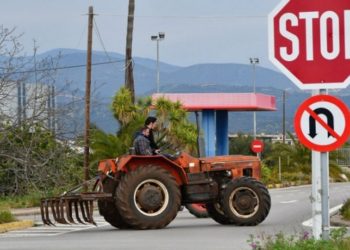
(287, 202)
(308, 223)
(58, 229)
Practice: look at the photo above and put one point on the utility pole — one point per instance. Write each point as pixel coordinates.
(87, 97)
(129, 76)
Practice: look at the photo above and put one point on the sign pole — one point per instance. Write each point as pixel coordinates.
(320, 190)
(316, 195)
(325, 194)
(325, 189)
(316, 199)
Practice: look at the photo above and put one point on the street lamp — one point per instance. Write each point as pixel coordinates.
(159, 37)
(254, 61)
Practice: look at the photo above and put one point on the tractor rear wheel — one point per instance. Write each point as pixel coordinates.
(108, 209)
(148, 197)
(216, 212)
(246, 201)
(197, 209)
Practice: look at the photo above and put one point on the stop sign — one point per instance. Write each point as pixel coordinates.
(257, 146)
(309, 41)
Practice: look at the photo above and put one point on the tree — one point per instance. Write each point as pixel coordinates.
(34, 154)
(296, 160)
(241, 144)
(174, 132)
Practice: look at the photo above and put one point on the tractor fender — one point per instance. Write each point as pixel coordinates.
(132, 162)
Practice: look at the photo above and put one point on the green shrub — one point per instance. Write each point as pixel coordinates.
(32, 200)
(6, 217)
(345, 210)
(303, 241)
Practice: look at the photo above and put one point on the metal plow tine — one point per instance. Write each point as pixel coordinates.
(44, 210)
(83, 213)
(90, 204)
(61, 211)
(56, 210)
(47, 213)
(53, 205)
(43, 218)
(76, 208)
(69, 211)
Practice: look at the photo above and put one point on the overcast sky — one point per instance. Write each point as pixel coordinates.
(196, 31)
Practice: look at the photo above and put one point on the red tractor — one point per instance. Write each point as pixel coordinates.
(146, 192)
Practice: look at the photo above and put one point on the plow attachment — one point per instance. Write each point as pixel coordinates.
(61, 209)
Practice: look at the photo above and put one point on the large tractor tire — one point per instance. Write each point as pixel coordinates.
(197, 209)
(148, 198)
(216, 212)
(108, 209)
(246, 201)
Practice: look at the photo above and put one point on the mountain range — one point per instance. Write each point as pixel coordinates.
(108, 77)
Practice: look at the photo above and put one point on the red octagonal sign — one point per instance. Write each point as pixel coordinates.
(309, 41)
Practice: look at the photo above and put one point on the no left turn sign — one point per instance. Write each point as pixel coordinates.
(322, 123)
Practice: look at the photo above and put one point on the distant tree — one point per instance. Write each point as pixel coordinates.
(296, 159)
(241, 144)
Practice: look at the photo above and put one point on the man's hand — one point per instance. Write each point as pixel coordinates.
(157, 151)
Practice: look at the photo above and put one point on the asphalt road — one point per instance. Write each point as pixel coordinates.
(290, 208)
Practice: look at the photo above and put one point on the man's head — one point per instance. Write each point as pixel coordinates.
(145, 131)
(151, 122)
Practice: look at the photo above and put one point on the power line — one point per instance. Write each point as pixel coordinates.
(101, 41)
(59, 68)
(191, 17)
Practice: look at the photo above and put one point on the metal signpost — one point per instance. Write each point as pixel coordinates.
(322, 123)
(309, 41)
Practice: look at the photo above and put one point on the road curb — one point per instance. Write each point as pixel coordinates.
(332, 212)
(17, 225)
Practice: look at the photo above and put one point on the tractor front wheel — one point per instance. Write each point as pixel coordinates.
(246, 201)
(148, 197)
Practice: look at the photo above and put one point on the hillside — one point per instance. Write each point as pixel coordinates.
(108, 78)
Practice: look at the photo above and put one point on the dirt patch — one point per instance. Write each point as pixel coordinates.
(338, 221)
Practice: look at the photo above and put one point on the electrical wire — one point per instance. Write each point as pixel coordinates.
(59, 68)
(101, 40)
(190, 17)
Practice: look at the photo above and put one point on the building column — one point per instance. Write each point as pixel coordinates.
(209, 129)
(222, 132)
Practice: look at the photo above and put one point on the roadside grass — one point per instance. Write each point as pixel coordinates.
(302, 241)
(8, 202)
(345, 210)
(6, 217)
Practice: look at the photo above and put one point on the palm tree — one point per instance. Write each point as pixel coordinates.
(104, 146)
(174, 129)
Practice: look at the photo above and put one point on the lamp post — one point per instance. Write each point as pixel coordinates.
(254, 61)
(158, 38)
